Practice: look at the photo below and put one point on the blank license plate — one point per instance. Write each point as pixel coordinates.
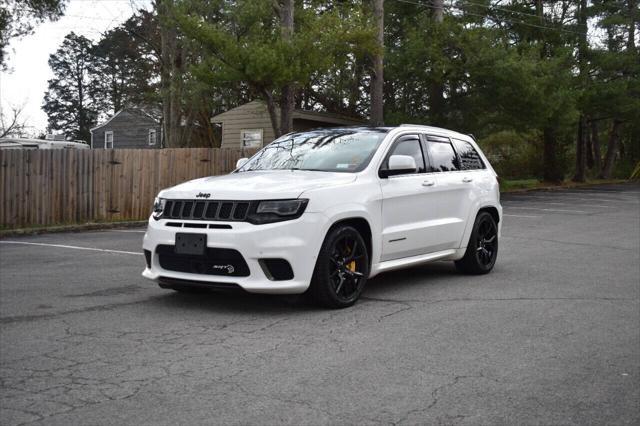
(191, 243)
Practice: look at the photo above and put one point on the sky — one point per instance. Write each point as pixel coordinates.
(25, 81)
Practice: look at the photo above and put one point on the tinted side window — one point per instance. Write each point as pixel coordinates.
(443, 157)
(469, 157)
(408, 145)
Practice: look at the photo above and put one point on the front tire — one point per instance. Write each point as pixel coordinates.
(482, 249)
(341, 270)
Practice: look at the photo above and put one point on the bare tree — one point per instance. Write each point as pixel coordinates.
(12, 123)
(377, 79)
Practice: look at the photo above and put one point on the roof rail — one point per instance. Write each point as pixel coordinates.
(472, 137)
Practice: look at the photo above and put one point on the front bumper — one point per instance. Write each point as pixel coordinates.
(297, 241)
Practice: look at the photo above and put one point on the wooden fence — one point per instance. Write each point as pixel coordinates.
(47, 187)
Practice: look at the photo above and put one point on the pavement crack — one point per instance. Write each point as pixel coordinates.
(436, 394)
(404, 307)
(108, 307)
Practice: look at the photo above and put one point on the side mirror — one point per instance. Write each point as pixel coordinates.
(398, 165)
(241, 162)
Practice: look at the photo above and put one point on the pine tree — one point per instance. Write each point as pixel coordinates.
(259, 45)
(70, 102)
(127, 73)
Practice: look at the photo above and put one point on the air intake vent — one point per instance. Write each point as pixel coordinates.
(212, 210)
(215, 261)
(225, 211)
(198, 210)
(240, 211)
(276, 269)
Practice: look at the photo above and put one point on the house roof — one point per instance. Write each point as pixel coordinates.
(322, 117)
(135, 110)
(326, 117)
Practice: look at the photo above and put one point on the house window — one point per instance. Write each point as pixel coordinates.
(152, 136)
(108, 140)
(251, 138)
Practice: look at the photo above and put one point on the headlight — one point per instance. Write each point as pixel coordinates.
(277, 210)
(158, 207)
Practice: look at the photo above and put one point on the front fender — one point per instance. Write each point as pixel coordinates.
(362, 199)
(356, 211)
(473, 212)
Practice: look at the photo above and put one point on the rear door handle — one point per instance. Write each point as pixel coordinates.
(467, 179)
(428, 183)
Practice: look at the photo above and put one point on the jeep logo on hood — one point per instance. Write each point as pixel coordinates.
(203, 195)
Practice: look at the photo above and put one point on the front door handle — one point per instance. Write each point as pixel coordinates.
(428, 183)
(467, 179)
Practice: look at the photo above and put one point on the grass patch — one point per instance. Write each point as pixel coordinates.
(509, 185)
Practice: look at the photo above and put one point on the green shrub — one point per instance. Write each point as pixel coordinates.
(514, 155)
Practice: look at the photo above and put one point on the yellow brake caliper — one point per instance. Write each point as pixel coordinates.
(351, 265)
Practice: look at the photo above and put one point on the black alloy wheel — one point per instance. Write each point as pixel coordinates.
(347, 266)
(342, 268)
(487, 243)
(482, 250)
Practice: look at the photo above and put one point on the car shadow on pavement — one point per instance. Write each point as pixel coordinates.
(421, 276)
(386, 284)
(235, 302)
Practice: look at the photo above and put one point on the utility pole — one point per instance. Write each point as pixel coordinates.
(633, 11)
(377, 79)
(165, 73)
(438, 11)
(436, 87)
(288, 91)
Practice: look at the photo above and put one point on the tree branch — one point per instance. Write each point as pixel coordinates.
(11, 124)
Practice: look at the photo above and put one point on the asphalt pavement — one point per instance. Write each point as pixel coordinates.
(550, 337)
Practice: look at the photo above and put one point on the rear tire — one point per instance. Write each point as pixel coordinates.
(482, 249)
(341, 270)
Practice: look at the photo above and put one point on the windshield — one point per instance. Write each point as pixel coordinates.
(334, 150)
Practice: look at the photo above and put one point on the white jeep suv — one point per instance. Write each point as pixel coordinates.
(322, 211)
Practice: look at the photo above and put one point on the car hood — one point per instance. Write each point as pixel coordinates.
(257, 185)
